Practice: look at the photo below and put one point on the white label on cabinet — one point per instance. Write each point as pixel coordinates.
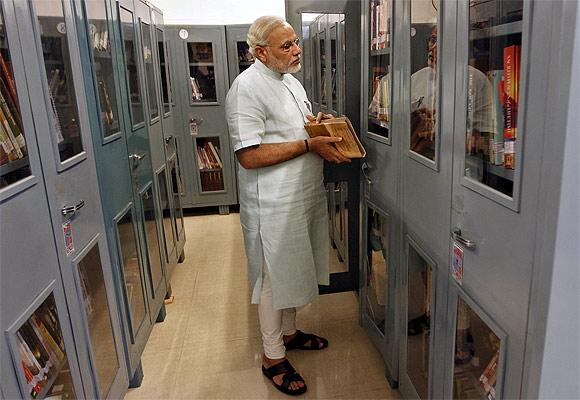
(457, 264)
(183, 34)
(68, 237)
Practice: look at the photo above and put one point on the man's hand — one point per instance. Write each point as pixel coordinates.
(319, 117)
(323, 146)
(423, 123)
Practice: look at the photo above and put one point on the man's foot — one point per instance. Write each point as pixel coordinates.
(295, 386)
(304, 341)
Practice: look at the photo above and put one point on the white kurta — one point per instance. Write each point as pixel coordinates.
(283, 207)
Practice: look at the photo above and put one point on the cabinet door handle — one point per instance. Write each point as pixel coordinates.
(66, 210)
(365, 168)
(456, 234)
(168, 139)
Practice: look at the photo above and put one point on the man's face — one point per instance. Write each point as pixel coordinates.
(432, 48)
(283, 52)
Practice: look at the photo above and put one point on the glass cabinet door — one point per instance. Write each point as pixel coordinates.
(493, 86)
(379, 81)
(424, 79)
(147, 44)
(169, 235)
(177, 190)
(91, 283)
(164, 71)
(130, 52)
(14, 164)
(99, 37)
(61, 91)
(210, 166)
(201, 72)
(477, 360)
(42, 360)
(131, 261)
(152, 238)
(322, 68)
(419, 315)
(245, 58)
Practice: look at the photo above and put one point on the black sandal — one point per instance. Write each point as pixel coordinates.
(299, 342)
(290, 375)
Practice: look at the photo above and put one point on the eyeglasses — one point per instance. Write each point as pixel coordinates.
(287, 46)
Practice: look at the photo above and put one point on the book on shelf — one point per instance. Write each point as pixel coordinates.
(196, 93)
(496, 150)
(8, 77)
(512, 60)
(350, 146)
(379, 25)
(380, 103)
(488, 377)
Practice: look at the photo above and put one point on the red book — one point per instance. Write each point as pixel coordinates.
(511, 84)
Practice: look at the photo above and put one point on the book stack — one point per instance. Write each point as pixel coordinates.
(505, 100)
(12, 143)
(380, 103)
(208, 157)
(380, 25)
(40, 348)
(100, 40)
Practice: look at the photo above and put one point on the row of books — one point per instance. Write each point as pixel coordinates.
(380, 102)
(488, 377)
(212, 181)
(505, 99)
(100, 40)
(40, 348)
(208, 157)
(12, 143)
(380, 25)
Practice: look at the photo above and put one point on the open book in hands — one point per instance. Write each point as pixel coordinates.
(350, 146)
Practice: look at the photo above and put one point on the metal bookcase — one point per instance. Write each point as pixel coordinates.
(120, 62)
(446, 196)
(61, 335)
(201, 83)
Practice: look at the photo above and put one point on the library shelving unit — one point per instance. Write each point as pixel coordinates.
(238, 51)
(454, 96)
(121, 67)
(61, 334)
(201, 84)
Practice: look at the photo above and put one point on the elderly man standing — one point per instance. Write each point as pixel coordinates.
(282, 198)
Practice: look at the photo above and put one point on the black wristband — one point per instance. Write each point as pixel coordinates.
(306, 143)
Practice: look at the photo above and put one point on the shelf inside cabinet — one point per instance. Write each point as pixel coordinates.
(381, 52)
(101, 54)
(382, 124)
(201, 64)
(510, 28)
(13, 165)
(48, 386)
(499, 170)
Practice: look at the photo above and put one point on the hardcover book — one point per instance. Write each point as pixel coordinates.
(350, 146)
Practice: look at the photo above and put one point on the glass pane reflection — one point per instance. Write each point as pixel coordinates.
(132, 271)
(98, 316)
(64, 112)
(201, 72)
(166, 208)
(149, 72)
(377, 274)
(152, 238)
(132, 71)
(420, 285)
(493, 86)
(100, 42)
(424, 77)
(477, 356)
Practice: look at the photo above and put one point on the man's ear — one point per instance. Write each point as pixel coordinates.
(261, 54)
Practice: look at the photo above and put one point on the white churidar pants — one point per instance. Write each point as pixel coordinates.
(274, 323)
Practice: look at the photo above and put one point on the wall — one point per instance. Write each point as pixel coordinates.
(223, 12)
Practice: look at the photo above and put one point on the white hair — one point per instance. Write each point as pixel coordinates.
(261, 29)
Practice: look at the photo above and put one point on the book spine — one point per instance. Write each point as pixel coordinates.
(15, 127)
(9, 79)
(8, 129)
(215, 154)
(509, 55)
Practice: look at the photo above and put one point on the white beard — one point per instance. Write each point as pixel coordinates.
(281, 67)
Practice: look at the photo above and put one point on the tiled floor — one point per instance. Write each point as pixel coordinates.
(209, 347)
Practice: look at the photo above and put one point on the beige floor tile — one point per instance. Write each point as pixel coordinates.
(209, 345)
